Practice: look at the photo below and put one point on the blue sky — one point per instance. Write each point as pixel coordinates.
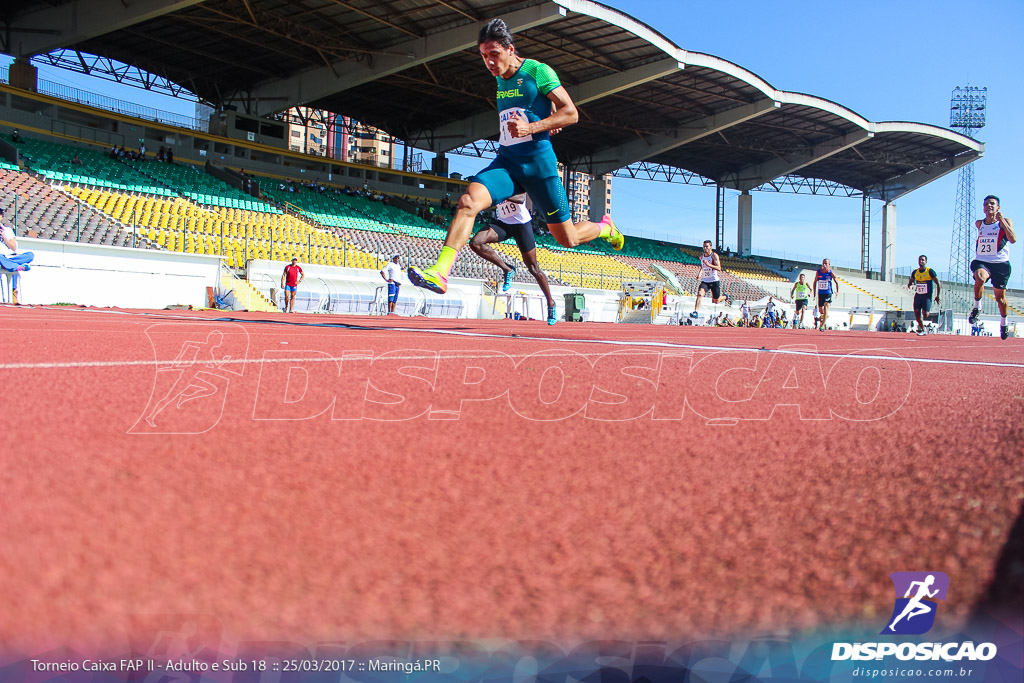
(887, 61)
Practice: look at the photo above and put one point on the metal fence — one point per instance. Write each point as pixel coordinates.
(71, 94)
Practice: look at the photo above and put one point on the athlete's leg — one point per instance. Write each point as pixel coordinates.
(700, 296)
(530, 259)
(1000, 295)
(479, 246)
(476, 198)
(917, 314)
(549, 197)
(570, 234)
(981, 276)
(473, 201)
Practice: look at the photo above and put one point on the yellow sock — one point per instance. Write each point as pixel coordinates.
(446, 260)
(606, 228)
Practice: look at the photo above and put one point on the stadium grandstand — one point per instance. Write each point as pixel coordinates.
(75, 172)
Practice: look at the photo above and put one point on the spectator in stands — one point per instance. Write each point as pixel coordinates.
(76, 161)
(113, 152)
(769, 313)
(15, 136)
(392, 274)
(12, 264)
(161, 154)
(142, 152)
(745, 312)
(170, 155)
(290, 280)
(783, 323)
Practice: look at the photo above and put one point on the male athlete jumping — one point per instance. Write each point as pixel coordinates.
(532, 104)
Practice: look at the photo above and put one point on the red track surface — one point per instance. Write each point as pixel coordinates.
(493, 524)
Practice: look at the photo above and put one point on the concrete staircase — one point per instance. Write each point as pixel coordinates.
(247, 296)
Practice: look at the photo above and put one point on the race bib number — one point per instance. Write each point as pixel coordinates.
(824, 285)
(708, 272)
(506, 209)
(922, 288)
(511, 212)
(506, 138)
(987, 245)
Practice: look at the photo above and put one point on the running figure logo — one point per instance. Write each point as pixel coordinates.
(190, 387)
(916, 601)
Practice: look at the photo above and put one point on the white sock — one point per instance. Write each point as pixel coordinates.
(977, 304)
(1003, 321)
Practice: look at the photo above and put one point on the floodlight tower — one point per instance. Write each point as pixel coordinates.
(966, 115)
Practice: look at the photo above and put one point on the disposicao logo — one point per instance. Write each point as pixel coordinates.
(917, 596)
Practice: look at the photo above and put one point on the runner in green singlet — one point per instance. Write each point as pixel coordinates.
(802, 291)
(532, 105)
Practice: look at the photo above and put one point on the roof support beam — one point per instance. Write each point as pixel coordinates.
(485, 125)
(757, 174)
(324, 81)
(894, 188)
(646, 148)
(79, 21)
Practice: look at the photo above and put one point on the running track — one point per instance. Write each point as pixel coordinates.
(498, 523)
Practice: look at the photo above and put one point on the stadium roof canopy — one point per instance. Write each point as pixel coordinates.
(412, 68)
